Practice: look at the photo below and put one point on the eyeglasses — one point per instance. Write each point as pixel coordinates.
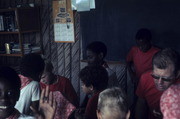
(164, 79)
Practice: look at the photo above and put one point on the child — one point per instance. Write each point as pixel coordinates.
(63, 92)
(9, 93)
(141, 55)
(94, 80)
(96, 52)
(31, 66)
(112, 104)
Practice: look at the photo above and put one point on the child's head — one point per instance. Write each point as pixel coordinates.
(94, 78)
(32, 66)
(9, 91)
(112, 104)
(96, 52)
(143, 39)
(47, 76)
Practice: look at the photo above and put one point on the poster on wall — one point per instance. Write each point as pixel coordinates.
(63, 21)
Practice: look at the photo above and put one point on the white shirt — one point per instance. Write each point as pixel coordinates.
(22, 116)
(28, 94)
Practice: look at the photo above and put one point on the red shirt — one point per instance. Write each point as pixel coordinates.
(170, 102)
(147, 90)
(142, 60)
(90, 112)
(65, 87)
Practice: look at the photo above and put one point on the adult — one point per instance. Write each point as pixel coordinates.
(153, 83)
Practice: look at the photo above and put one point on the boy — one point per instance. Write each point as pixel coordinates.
(31, 66)
(9, 93)
(141, 55)
(112, 104)
(96, 52)
(63, 92)
(94, 80)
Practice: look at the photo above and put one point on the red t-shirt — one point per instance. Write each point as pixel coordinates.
(142, 60)
(65, 87)
(147, 90)
(90, 112)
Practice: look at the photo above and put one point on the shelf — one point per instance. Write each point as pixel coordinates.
(12, 55)
(17, 32)
(18, 55)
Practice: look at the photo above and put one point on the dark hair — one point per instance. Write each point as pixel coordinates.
(9, 75)
(144, 34)
(113, 98)
(166, 57)
(97, 47)
(32, 65)
(96, 76)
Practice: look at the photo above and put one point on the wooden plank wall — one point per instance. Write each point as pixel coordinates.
(64, 56)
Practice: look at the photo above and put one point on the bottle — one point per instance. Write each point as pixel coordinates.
(7, 47)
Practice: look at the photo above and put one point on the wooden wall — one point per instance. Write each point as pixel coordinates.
(64, 56)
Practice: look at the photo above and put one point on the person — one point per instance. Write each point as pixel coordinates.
(139, 61)
(140, 56)
(153, 83)
(94, 80)
(112, 104)
(62, 89)
(170, 102)
(96, 52)
(9, 94)
(31, 66)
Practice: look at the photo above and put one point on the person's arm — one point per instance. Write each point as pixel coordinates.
(131, 71)
(35, 104)
(141, 111)
(130, 64)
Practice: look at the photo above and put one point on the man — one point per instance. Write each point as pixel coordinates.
(112, 104)
(153, 83)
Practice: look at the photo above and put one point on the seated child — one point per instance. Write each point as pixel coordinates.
(9, 93)
(94, 80)
(31, 66)
(63, 92)
(112, 104)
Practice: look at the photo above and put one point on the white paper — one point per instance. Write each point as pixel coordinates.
(82, 5)
(64, 32)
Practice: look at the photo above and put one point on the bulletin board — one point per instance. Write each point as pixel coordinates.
(63, 21)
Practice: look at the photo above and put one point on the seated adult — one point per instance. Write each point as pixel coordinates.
(62, 89)
(153, 83)
(94, 80)
(31, 66)
(112, 104)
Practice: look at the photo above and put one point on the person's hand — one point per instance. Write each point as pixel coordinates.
(47, 105)
(157, 114)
